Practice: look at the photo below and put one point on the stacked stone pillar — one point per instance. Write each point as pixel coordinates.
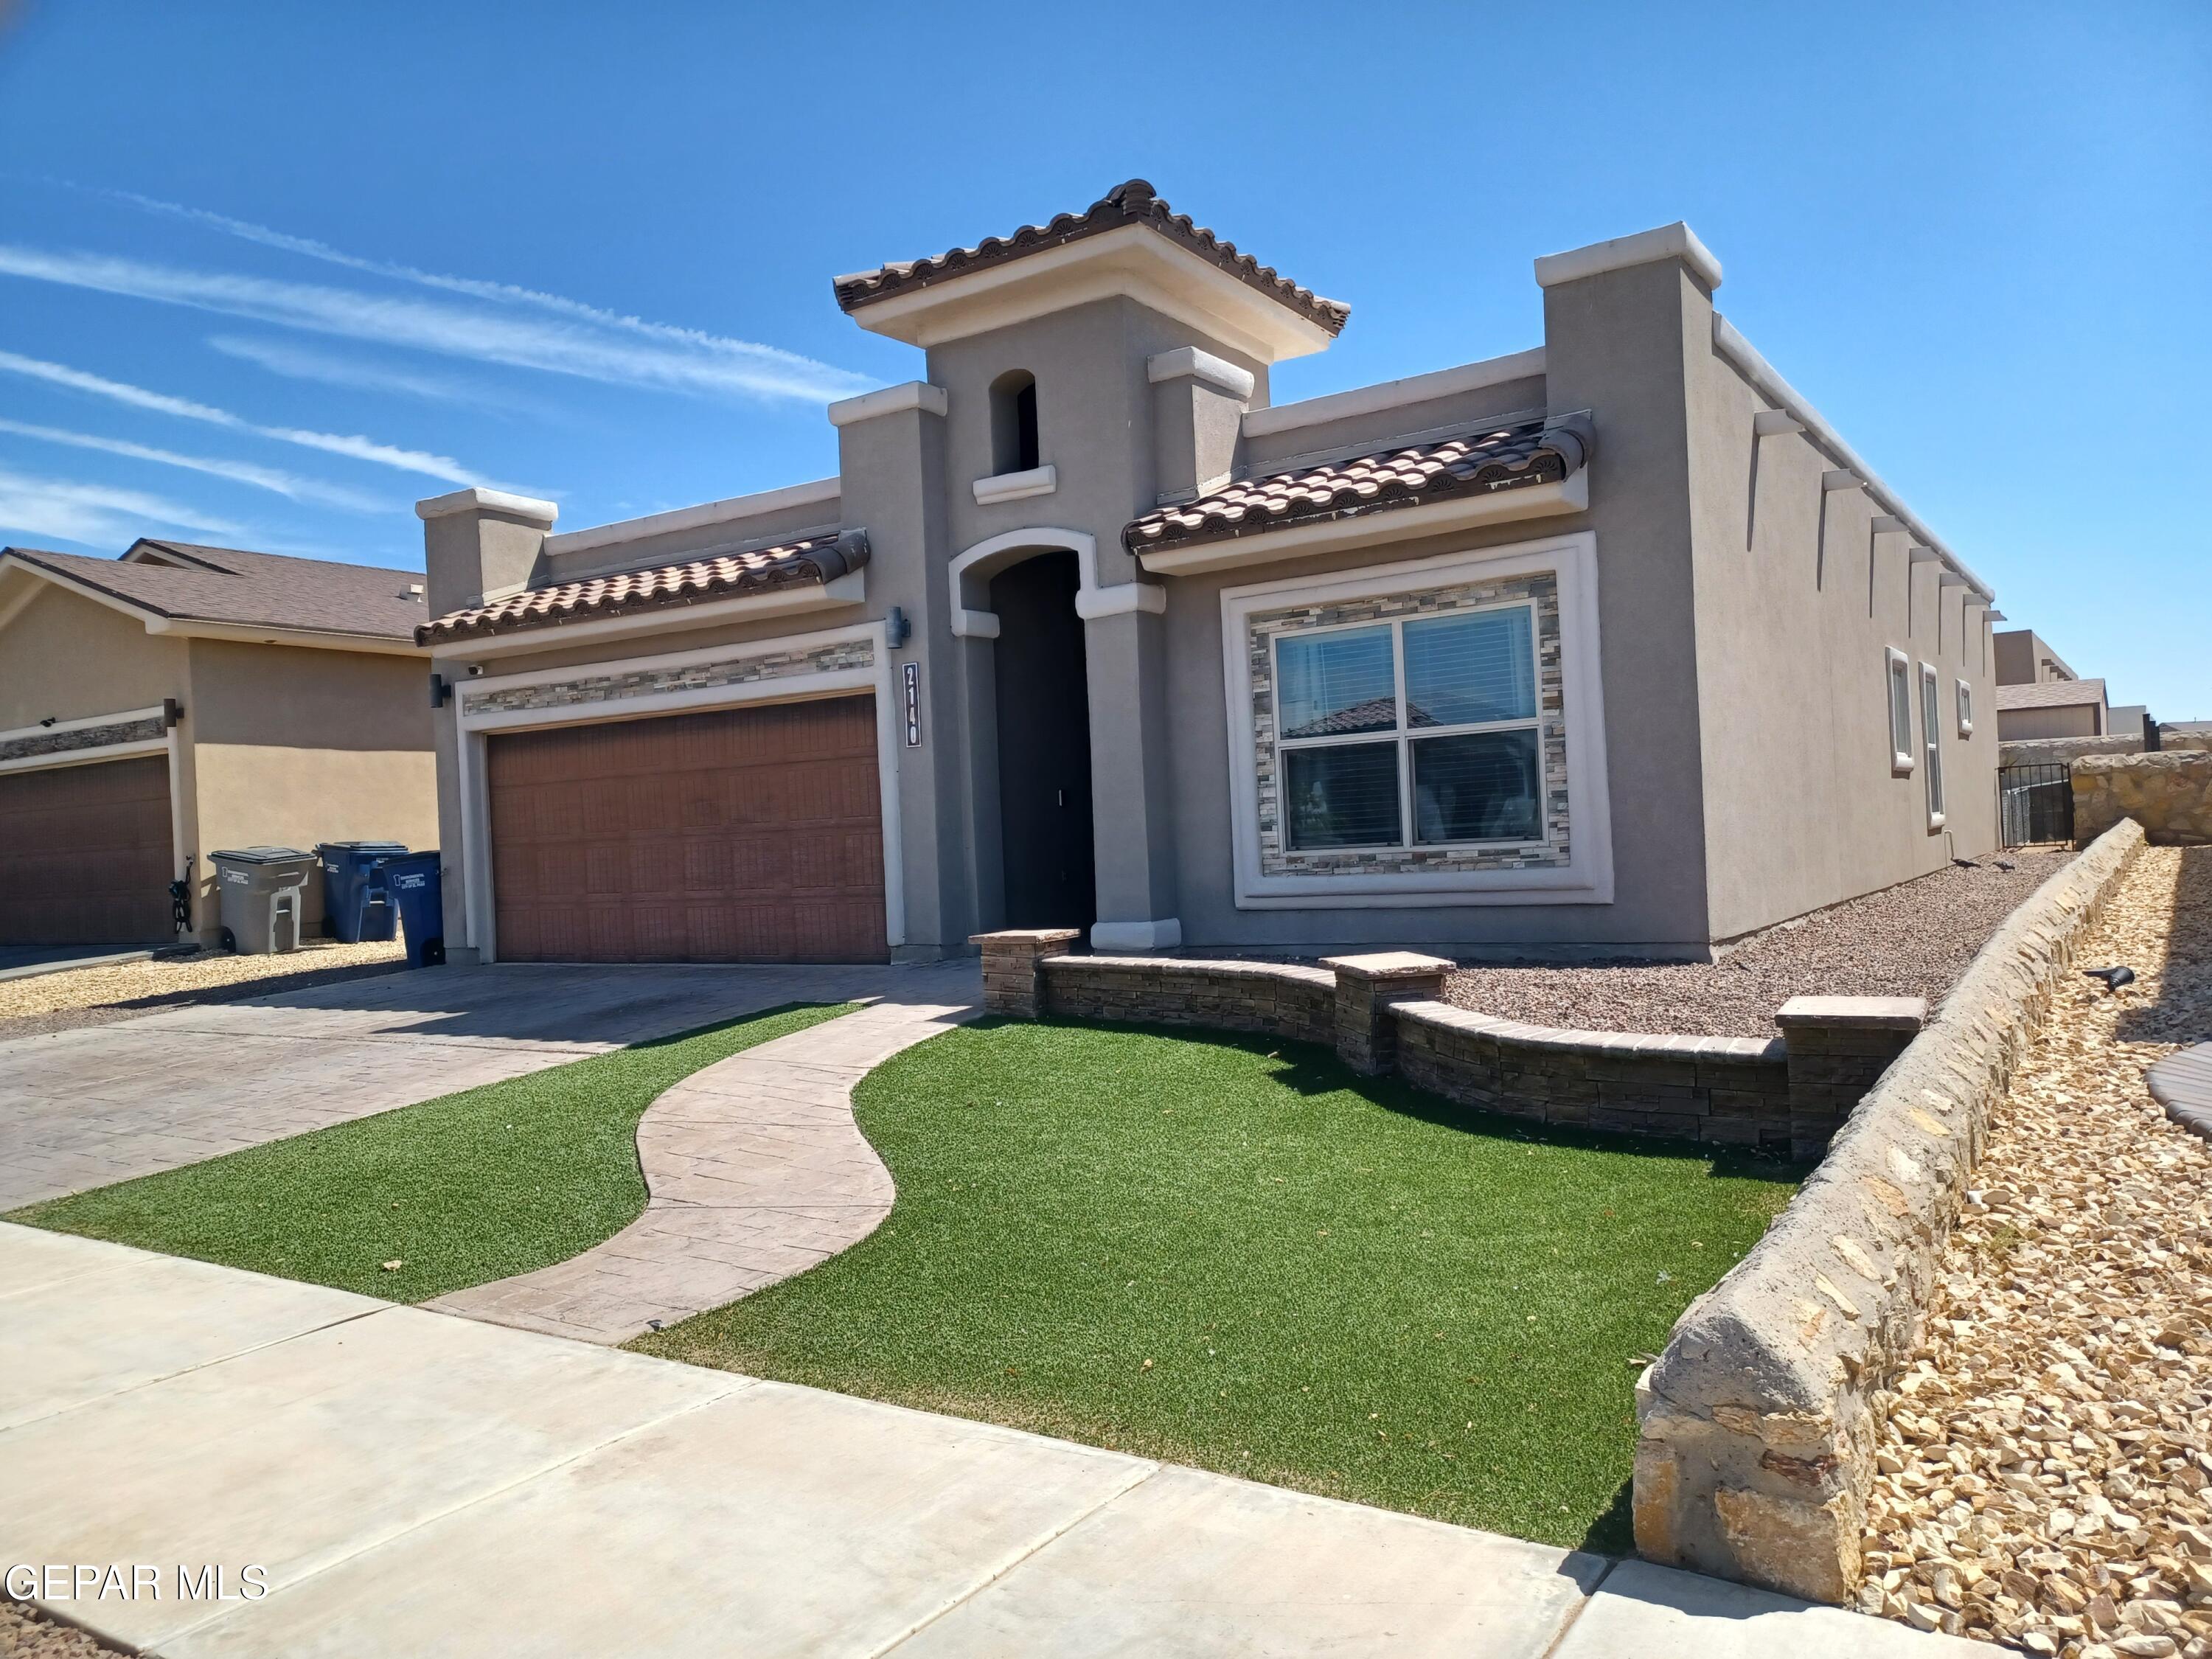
(1013, 983)
(1367, 987)
(1838, 1048)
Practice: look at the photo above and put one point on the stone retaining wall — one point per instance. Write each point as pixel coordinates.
(2169, 794)
(1756, 1444)
(1731, 1090)
(1385, 1012)
(2058, 751)
(1272, 998)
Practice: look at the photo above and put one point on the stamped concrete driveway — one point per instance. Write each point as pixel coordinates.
(103, 1103)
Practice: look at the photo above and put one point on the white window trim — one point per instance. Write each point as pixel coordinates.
(1901, 761)
(474, 730)
(1931, 740)
(1586, 878)
(1402, 735)
(1962, 692)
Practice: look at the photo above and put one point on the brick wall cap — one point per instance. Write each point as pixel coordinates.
(1390, 964)
(1866, 1013)
(1028, 936)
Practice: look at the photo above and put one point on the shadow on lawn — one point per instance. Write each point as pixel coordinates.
(1311, 1070)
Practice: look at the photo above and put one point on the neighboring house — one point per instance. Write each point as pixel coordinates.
(1609, 646)
(179, 699)
(2055, 708)
(2023, 656)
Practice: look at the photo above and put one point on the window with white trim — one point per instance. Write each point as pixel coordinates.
(1966, 710)
(1901, 743)
(1931, 738)
(1412, 732)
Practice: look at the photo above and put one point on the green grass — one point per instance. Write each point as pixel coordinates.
(459, 1190)
(1232, 1253)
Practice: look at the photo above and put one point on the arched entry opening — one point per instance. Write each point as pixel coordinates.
(1044, 744)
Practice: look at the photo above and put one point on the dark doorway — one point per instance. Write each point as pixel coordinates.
(1044, 745)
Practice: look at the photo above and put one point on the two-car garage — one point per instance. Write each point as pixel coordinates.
(752, 834)
(85, 853)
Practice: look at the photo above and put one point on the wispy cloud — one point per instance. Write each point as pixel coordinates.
(260, 478)
(297, 362)
(428, 465)
(92, 514)
(565, 337)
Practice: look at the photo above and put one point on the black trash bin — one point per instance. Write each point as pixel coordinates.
(416, 884)
(356, 905)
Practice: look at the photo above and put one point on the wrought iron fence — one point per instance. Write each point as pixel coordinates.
(2036, 803)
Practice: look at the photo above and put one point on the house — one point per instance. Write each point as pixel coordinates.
(182, 699)
(1613, 645)
(2040, 698)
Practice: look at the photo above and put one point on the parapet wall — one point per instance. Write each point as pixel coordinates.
(1757, 1430)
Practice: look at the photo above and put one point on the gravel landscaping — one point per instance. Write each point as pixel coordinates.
(1911, 940)
(26, 1633)
(129, 990)
(2046, 1459)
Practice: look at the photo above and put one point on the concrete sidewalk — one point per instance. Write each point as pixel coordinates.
(409, 1483)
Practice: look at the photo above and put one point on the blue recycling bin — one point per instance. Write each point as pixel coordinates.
(416, 884)
(356, 905)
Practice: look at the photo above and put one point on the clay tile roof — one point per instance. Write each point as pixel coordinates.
(1132, 204)
(187, 582)
(2051, 694)
(1526, 452)
(719, 576)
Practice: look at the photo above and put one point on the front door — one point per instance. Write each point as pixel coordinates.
(1044, 745)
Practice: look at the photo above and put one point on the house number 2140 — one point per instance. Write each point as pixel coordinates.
(911, 673)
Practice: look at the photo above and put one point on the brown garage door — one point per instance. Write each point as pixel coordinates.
(84, 854)
(749, 834)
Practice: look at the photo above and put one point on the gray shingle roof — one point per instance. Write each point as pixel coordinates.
(2051, 694)
(718, 576)
(1532, 451)
(1132, 204)
(232, 586)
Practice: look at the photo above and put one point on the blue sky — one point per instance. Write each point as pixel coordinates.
(268, 275)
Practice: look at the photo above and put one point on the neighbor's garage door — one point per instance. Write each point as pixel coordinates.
(749, 834)
(84, 854)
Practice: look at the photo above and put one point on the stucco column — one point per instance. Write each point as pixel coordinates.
(1131, 813)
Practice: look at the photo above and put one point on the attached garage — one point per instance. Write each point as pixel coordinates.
(84, 853)
(741, 835)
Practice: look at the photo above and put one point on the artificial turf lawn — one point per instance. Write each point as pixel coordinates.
(1232, 1253)
(460, 1190)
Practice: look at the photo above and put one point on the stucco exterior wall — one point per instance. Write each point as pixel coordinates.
(291, 746)
(1794, 621)
(72, 657)
(2074, 721)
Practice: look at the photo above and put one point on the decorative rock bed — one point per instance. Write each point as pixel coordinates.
(1758, 1433)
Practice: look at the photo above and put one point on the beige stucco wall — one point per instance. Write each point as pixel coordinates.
(1802, 807)
(72, 658)
(2076, 720)
(291, 746)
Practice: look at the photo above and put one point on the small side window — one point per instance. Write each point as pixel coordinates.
(1014, 423)
(1931, 741)
(1901, 743)
(1966, 710)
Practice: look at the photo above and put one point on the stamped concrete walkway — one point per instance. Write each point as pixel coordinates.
(101, 1103)
(412, 1485)
(755, 1171)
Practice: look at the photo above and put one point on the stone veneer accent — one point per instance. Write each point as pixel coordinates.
(2058, 751)
(1543, 591)
(2169, 794)
(84, 737)
(1756, 1426)
(652, 682)
(1271, 998)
